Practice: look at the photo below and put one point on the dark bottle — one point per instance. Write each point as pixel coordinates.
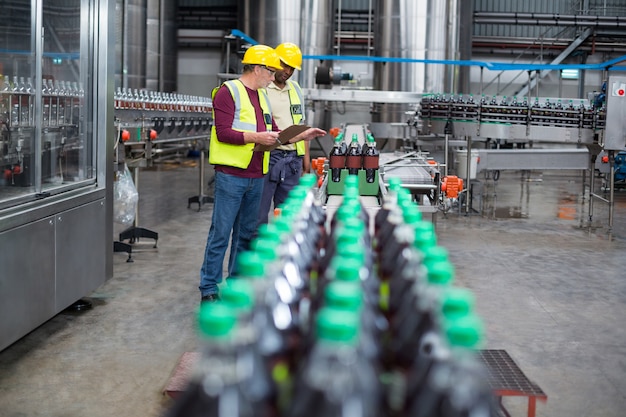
(353, 160)
(219, 382)
(337, 379)
(370, 159)
(454, 384)
(390, 202)
(337, 158)
(418, 315)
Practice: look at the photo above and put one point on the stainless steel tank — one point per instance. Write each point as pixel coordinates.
(427, 29)
(271, 22)
(146, 44)
(130, 49)
(307, 23)
(161, 57)
(317, 36)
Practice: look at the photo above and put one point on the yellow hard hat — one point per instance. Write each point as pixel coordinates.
(290, 54)
(262, 55)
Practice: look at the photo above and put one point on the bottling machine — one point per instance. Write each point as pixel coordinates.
(55, 120)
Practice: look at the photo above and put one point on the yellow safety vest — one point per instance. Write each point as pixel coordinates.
(239, 156)
(297, 110)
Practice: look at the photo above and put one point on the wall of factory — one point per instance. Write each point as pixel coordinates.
(197, 71)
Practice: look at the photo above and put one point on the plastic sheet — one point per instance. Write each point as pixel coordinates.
(125, 198)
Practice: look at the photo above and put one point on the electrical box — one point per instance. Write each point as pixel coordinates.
(615, 131)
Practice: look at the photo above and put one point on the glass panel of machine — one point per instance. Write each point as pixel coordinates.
(44, 145)
(66, 154)
(17, 132)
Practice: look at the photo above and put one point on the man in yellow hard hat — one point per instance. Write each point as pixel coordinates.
(242, 117)
(287, 162)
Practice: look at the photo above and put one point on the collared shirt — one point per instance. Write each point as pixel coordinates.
(281, 109)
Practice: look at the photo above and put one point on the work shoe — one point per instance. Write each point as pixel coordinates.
(210, 298)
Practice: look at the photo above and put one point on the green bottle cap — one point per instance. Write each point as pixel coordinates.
(424, 235)
(283, 224)
(298, 194)
(411, 214)
(349, 209)
(345, 269)
(456, 303)
(394, 183)
(334, 325)
(289, 210)
(268, 230)
(266, 247)
(434, 254)
(404, 196)
(251, 265)
(216, 321)
(346, 236)
(440, 273)
(465, 332)
(344, 295)
(238, 294)
(352, 251)
(308, 180)
(351, 223)
(355, 137)
(351, 183)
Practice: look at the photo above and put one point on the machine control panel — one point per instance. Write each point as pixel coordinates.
(615, 131)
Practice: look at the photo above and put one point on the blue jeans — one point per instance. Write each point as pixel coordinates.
(235, 209)
(284, 174)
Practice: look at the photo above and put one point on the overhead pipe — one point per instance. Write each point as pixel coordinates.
(547, 19)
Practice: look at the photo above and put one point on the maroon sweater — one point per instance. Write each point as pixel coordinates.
(224, 108)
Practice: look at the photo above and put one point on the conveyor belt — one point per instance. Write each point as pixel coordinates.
(411, 168)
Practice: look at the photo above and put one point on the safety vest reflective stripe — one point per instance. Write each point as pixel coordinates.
(296, 98)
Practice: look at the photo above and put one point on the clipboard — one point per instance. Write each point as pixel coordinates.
(284, 137)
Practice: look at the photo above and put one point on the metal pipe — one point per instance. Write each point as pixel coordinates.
(369, 28)
(161, 75)
(37, 41)
(611, 189)
(468, 171)
(547, 19)
(136, 181)
(446, 151)
(339, 28)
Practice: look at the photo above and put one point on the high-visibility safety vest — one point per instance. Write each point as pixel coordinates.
(239, 156)
(297, 110)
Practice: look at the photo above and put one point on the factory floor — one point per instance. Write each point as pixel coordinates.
(550, 289)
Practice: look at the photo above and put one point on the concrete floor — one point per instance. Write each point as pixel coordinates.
(550, 291)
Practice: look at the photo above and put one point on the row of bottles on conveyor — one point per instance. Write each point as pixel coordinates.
(61, 101)
(353, 156)
(513, 110)
(139, 99)
(338, 322)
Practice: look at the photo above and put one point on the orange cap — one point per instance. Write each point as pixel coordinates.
(320, 165)
(153, 134)
(125, 135)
